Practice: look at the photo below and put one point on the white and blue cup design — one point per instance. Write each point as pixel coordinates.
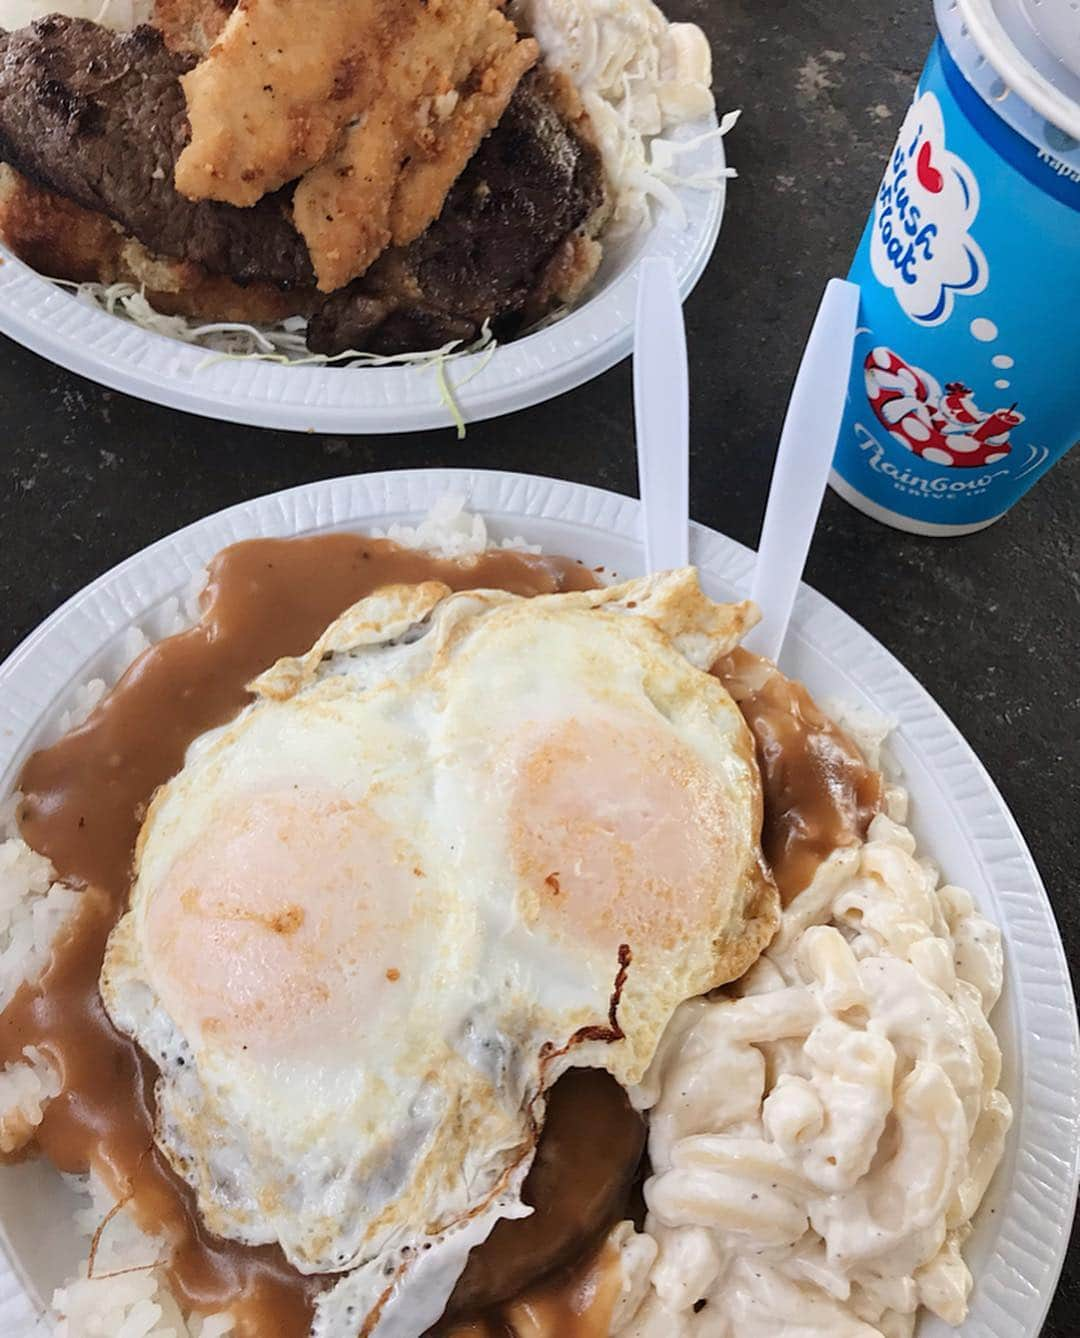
(965, 381)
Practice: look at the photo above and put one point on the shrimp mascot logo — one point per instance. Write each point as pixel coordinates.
(943, 427)
(921, 246)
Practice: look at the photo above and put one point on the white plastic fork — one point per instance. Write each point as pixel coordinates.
(662, 416)
(807, 442)
(807, 445)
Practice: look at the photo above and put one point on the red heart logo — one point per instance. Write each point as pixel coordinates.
(929, 177)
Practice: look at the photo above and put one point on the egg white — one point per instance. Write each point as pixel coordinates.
(467, 841)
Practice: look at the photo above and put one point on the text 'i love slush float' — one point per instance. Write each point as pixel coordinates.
(965, 382)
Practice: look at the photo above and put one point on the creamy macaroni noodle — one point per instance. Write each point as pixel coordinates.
(821, 1135)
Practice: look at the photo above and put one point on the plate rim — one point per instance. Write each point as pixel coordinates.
(1014, 1285)
(594, 336)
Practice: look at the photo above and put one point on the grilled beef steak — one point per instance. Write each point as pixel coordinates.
(530, 185)
(100, 117)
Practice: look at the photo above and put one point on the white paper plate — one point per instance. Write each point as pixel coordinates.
(958, 815)
(592, 338)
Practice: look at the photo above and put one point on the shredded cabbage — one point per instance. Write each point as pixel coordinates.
(447, 391)
(283, 342)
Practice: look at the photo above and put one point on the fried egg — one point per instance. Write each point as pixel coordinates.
(467, 841)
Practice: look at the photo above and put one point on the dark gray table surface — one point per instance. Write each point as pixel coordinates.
(989, 623)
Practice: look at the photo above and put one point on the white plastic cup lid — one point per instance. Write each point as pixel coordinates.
(1055, 25)
(1033, 50)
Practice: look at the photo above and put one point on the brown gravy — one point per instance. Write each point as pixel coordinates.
(86, 795)
(573, 1303)
(579, 1186)
(84, 799)
(819, 793)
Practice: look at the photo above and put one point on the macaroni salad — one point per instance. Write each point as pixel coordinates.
(822, 1133)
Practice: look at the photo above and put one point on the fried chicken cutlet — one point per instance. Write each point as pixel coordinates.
(375, 105)
(388, 179)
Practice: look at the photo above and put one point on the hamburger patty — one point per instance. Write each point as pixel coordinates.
(99, 117)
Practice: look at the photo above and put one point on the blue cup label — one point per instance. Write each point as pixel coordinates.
(965, 384)
(920, 243)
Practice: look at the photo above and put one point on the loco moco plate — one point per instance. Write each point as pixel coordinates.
(958, 815)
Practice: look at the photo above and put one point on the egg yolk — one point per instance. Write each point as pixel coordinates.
(282, 928)
(620, 833)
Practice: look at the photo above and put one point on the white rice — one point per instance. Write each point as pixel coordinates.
(33, 906)
(25, 1089)
(450, 531)
(128, 1296)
